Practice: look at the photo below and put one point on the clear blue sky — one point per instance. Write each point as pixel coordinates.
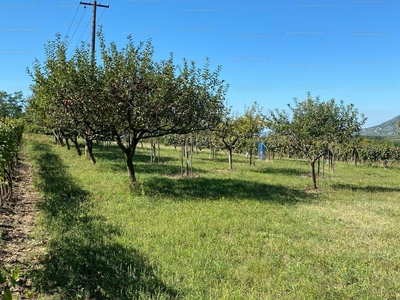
(270, 51)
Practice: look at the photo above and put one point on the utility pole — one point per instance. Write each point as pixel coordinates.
(89, 141)
(95, 5)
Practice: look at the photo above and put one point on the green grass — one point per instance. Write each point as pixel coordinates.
(254, 233)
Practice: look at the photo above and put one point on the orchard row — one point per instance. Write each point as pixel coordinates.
(128, 97)
(11, 131)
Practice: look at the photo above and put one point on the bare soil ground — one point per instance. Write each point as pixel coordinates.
(17, 223)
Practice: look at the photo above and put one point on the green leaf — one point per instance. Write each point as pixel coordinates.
(15, 273)
(3, 278)
(7, 295)
(29, 294)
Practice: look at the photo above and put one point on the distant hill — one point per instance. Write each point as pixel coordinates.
(388, 128)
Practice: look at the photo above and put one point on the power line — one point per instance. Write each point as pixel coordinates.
(101, 15)
(80, 38)
(73, 19)
(77, 27)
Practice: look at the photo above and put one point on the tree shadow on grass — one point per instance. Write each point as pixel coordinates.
(82, 259)
(218, 159)
(223, 158)
(115, 162)
(283, 171)
(114, 153)
(367, 188)
(203, 189)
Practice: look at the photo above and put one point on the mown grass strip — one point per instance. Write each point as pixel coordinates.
(83, 260)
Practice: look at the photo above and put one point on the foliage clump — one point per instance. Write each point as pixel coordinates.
(314, 127)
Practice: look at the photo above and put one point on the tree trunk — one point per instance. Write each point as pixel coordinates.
(187, 149)
(182, 156)
(355, 157)
(385, 163)
(59, 137)
(329, 159)
(129, 166)
(251, 157)
(67, 143)
(230, 159)
(158, 145)
(314, 179)
(152, 151)
(129, 152)
(56, 137)
(74, 140)
(89, 149)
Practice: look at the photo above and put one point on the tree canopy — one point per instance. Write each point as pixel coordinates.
(128, 95)
(11, 105)
(313, 126)
(240, 131)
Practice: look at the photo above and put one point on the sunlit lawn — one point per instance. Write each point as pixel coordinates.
(257, 232)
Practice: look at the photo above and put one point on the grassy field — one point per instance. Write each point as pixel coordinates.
(257, 232)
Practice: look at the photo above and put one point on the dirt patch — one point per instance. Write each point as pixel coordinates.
(17, 222)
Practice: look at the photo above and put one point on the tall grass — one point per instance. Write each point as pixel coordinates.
(256, 232)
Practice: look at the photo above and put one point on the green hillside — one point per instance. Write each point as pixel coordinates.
(388, 128)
